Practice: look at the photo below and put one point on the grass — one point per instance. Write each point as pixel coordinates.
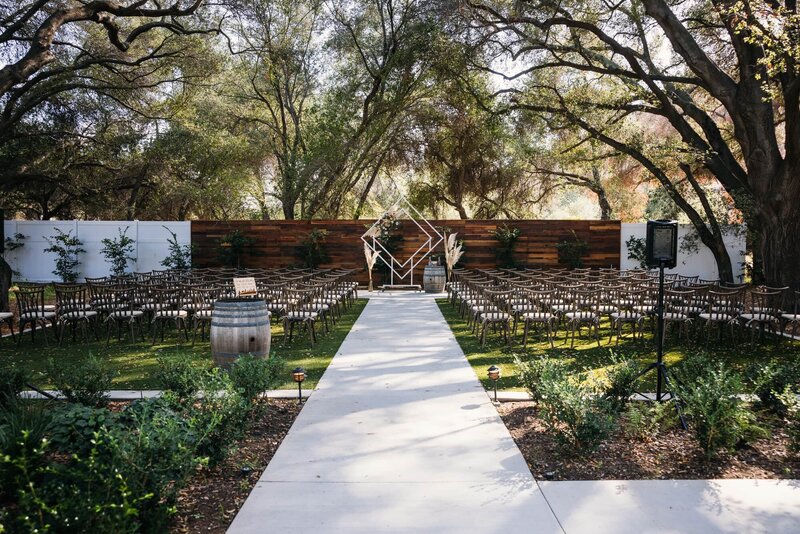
(135, 363)
(587, 356)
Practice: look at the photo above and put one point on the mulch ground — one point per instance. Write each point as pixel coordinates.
(213, 497)
(668, 454)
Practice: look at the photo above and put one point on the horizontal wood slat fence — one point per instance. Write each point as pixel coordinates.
(279, 243)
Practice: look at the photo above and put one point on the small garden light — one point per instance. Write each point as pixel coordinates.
(299, 374)
(494, 376)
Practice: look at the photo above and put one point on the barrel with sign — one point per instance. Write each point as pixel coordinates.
(239, 326)
(433, 278)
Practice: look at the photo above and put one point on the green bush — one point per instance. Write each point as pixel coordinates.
(620, 381)
(180, 256)
(572, 251)
(158, 449)
(531, 374)
(87, 383)
(89, 493)
(182, 376)
(117, 251)
(718, 417)
(576, 416)
(313, 251)
(770, 380)
(74, 427)
(67, 247)
(23, 433)
(219, 416)
(507, 237)
(252, 376)
(644, 419)
(13, 381)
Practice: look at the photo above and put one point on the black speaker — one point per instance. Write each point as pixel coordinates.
(662, 244)
(2, 231)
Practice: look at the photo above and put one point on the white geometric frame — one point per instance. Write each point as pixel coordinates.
(370, 239)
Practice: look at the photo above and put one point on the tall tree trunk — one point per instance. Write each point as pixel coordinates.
(778, 242)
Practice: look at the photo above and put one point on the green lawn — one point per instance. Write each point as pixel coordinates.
(135, 363)
(588, 356)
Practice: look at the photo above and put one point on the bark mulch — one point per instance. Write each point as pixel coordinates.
(670, 453)
(213, 497)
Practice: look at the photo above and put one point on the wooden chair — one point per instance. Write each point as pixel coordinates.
(124, 312)
(584, 310)
(203, 299)
(72, 308)
(539, 314)
(32, 310)
(169, 309)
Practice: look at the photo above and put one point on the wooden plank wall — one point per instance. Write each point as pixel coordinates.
(278, 243)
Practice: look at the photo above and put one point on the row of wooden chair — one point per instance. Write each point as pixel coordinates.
(504, 299)
(179, 299)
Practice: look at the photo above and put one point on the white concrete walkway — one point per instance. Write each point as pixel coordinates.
(401, 437)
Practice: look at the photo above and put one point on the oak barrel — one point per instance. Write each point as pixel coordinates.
(239, 326)
(433, 278)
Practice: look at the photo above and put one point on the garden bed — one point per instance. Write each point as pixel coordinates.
(669, 453)
(212, 498)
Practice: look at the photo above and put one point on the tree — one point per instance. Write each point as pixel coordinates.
(61, 48)
(723, 95)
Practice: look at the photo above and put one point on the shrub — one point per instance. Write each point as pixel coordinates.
(643, 419)
(636, 247)
(770, 380)
(313, 250)
(579, 419)
(620, 381)
(719, 419)
(182, 376)
(13, 381)
(219, 416)
(180, 256)
(86, 383)
(23, 429)
(89, 493)
(572, 251)
(507, 237)
(158, 448)
(67, 248)
(118, 252)
(792, 415)
(74, 427)
(231, 248)
(252, 376)
(531, 374)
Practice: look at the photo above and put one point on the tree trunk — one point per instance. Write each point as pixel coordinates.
(723, 260)
(5, 282)
(778, 241)
(605, 207)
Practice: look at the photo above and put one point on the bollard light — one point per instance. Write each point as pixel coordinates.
(299, 374)
(494, 376)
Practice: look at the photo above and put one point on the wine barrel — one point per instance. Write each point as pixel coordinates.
(239, 326)
(433, 278)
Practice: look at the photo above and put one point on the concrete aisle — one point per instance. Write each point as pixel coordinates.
(401, 437)
(398, 437)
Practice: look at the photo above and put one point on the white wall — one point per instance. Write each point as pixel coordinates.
(150, 246)
(700, 264)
